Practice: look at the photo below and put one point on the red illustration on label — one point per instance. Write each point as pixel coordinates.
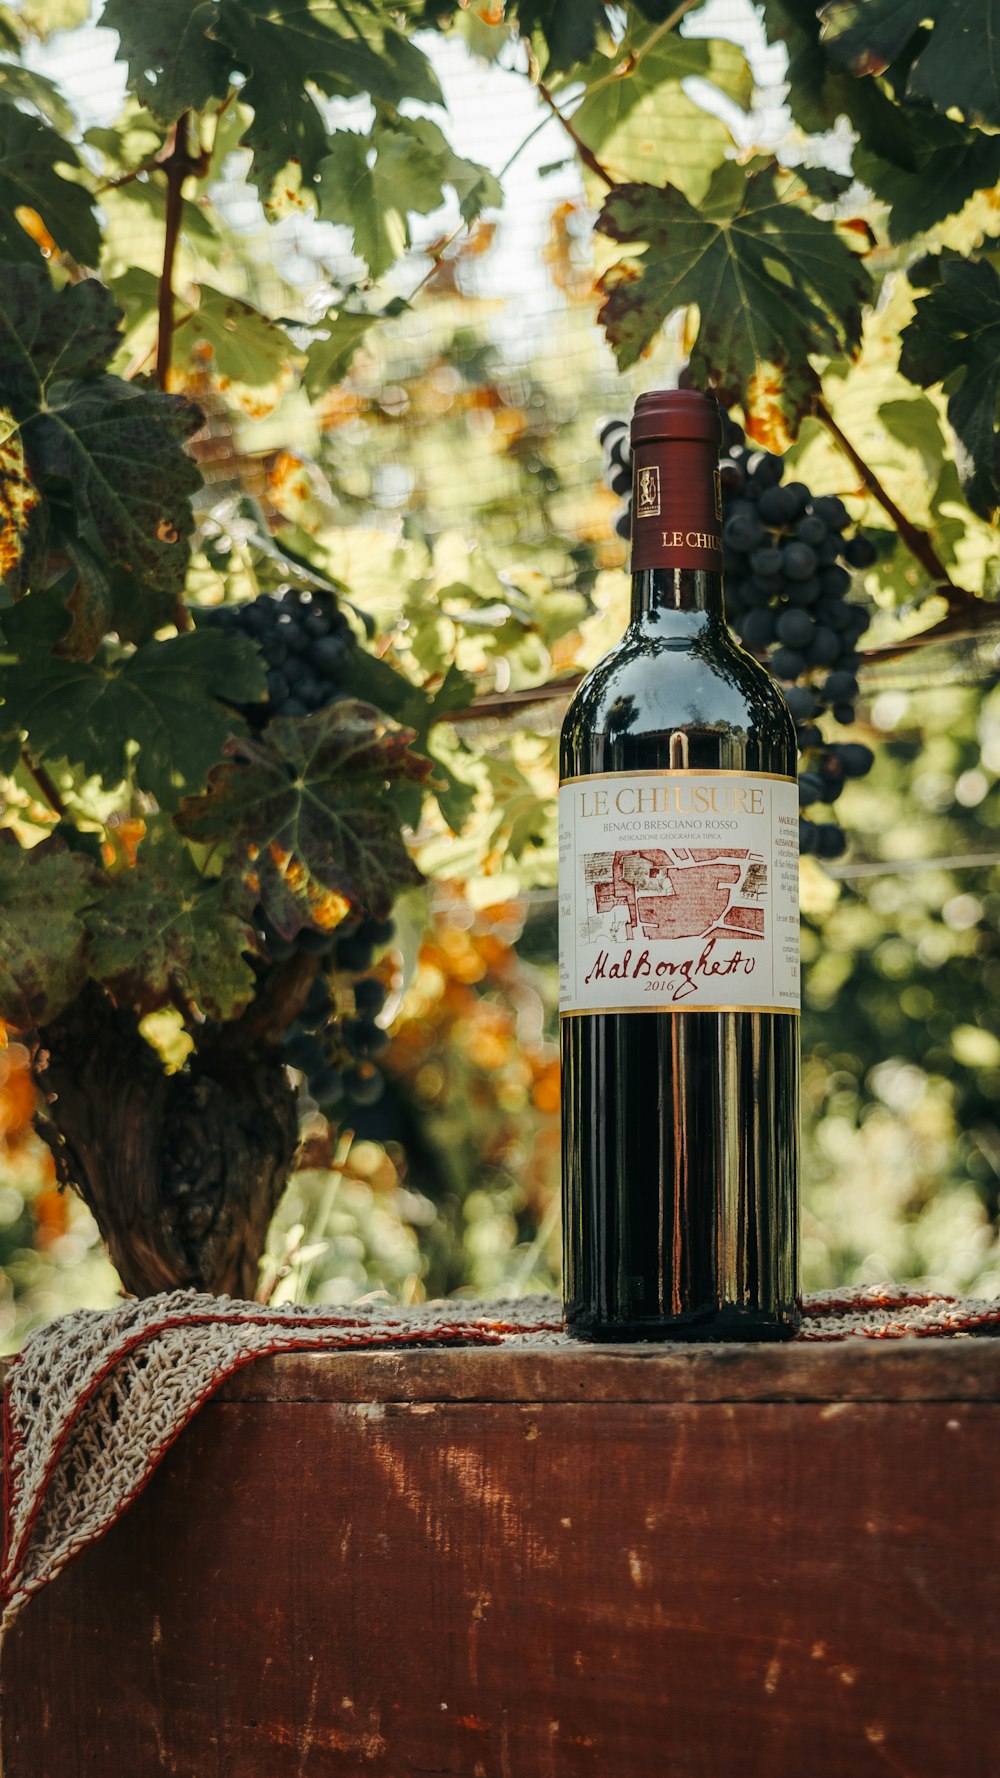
(680, 893)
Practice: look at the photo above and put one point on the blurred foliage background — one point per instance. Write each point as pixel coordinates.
(452, 480)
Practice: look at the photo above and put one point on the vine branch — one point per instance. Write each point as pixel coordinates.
(45, 785)
(178, 163)
(585, 154)
(918, 542)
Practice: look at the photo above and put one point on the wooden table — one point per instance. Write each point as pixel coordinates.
(544, 1563)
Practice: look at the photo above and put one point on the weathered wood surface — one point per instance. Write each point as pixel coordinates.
(543, 1564)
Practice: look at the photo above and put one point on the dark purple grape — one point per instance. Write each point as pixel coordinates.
(856, 759)
(811, 529)
(765, 469)
(731, 477)
(362, 1037)
(840, 687)
(274, 648)
(831, 841)
(799, 561)
(755, 596)
(277, 686)
(776, 506)
(808, 736)
(621, 482)
(291, 707)
(327, 1086)
(787, 663)
(835, 582)
(353, 953)
(796, 628)
(317, 1003)
(766, 563)
(807, 837)
(799, 494)
(303, 1051)
(810, 788)
(828, 551)
(757, 628)
(378, 932)
(369, 996)
(832, 511)
(314, 942)
(834, 613)
(824, 648)
(803, 592)
(844, 714)
(802, 702)
(364, 1084)
(859, 551)
(743, 533)
(610, 429)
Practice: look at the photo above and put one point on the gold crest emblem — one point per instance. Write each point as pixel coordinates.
(647, 493)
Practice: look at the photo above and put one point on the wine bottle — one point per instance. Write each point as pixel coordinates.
(679, 939)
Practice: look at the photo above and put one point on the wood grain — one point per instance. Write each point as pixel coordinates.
(462, 1571)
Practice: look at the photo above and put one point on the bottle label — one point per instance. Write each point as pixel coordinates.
(679, 892)
(676, 506)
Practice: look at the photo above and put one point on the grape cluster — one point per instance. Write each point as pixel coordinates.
(787, 561)
(307, 644)
(335, 1039)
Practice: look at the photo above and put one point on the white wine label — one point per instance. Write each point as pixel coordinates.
(679, 892)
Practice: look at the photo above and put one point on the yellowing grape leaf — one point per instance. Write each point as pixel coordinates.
(42, 894)
(307, 818)
(108, 451)
(161, 927)
(772, 282)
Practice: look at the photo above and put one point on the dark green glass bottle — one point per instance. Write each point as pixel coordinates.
(679, 940)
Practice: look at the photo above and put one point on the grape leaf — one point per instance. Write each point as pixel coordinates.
(954, 339)
(339, 46)
(570, 30)
(42, 941)
(329, 359)
(162, 926)
(924, 165)
(373, 182)
(935, 166)
(307, 819)
(160, 703)
(30, 153)
(19, 82)
(107, 453)
(772, 281)
(614, 85)
(352, 192)
(251, 355)
(175, 63)
(958, 68)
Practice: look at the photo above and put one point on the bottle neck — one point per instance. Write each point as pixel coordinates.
(659, 593)
(677, 517)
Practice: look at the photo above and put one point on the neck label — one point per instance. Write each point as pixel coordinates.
(676, 506)
(679, 892)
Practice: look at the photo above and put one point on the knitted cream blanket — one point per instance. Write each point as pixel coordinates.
(95, 1399)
